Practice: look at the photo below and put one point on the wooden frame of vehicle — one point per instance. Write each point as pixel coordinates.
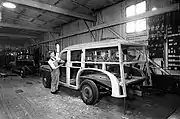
(98, 67)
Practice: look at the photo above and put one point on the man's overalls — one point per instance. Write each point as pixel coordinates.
(54, 77)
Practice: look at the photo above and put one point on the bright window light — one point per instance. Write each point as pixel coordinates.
(130, 27)
(141, 7)
(130, 11)
(154, 8)
(9, 5)
(140, 25)
(57, 47)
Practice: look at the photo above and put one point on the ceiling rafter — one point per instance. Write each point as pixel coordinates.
(112, 1)
(19, 15)
(55, 3)
(26, 27)
(30, 21)
(84, 6)
(60, 19)
(49, 15)
(25, 16)
(17, 35)
(54, 9)
(22, 21)
(33, 19)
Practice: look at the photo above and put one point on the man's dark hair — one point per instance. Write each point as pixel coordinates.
(51, 52)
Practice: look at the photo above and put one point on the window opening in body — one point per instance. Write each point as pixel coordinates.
(75, 65)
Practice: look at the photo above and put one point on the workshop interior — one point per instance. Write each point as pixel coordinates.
(116, 59)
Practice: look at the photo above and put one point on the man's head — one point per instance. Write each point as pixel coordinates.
(51, 53)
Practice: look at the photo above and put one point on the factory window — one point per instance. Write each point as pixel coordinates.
(141, 7)
(130, 11)
(138, 25)
(130, 27)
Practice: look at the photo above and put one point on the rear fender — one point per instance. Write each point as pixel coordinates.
(114, 81)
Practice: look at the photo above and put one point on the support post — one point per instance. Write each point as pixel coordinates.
(89, 30)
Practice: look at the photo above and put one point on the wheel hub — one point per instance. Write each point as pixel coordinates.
(87, 93)
(45, 79)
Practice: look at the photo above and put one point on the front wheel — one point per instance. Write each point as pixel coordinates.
(89, 92)
(46, 82)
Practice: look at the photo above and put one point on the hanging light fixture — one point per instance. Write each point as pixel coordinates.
(9, 5)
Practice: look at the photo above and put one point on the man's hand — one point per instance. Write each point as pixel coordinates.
(62, 61)
(58, 66)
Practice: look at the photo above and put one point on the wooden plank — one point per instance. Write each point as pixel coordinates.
(9, 113)
(123, 21)
(51, 8)
(25, 27)
(43, 13)
(17, 35)
(16, 106)
(4, 112)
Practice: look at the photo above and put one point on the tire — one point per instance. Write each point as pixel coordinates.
(46, 82)
(89, 92)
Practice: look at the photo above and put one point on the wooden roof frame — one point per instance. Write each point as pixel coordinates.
(52, 8)
(147, 14)
(17, 36)
(26, 27)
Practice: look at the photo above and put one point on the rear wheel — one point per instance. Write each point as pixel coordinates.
(89, 92)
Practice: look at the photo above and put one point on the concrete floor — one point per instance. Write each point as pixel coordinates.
(28, 99)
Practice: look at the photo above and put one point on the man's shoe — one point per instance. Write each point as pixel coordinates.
(54, 92)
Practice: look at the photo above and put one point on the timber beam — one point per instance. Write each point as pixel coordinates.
(17, 36)
(25, 27)
(52, 8)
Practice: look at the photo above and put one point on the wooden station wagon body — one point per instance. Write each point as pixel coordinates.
(103, 66)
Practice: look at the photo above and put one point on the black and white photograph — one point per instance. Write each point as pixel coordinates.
(89, 59)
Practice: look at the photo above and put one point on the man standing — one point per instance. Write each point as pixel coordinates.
(53, 62)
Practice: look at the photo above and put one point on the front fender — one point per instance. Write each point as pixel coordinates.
(114, 81)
